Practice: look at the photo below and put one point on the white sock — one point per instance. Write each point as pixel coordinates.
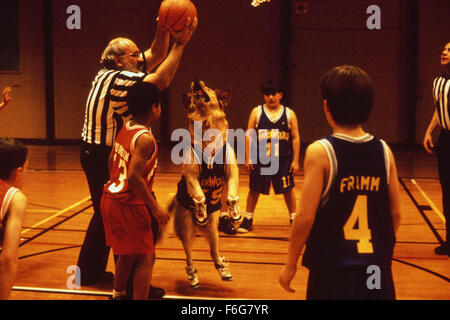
(249, 215)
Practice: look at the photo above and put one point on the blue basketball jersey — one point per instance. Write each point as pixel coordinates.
(268, 127)
(212, 180)
(353, 224)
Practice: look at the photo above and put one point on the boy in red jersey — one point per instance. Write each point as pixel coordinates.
(13, 165)
(129, 208)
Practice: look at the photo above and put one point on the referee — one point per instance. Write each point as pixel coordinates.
(123, 64)
(441, 117)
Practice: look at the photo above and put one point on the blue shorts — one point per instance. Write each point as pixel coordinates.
(282, 181)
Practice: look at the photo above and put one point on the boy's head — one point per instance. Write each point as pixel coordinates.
(13, 158)
(144, 100)
(273, 93)
(445, 56)
(348, 92)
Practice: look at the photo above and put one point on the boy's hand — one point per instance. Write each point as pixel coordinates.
(161, 215)
(249, 167)
(286, 276)
(294, 167)
(6, 97)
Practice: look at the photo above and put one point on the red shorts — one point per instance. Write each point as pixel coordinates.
(128, 228)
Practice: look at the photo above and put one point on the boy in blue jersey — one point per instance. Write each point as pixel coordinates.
(270, 120)
(349, 208)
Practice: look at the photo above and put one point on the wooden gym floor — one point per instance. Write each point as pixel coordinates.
(60, 209)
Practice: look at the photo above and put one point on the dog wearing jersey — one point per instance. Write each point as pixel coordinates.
(204, 177)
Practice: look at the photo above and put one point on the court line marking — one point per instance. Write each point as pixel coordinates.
(422, 213)
(27, 240)
(57, 214)
(109, 293)
(431, 203)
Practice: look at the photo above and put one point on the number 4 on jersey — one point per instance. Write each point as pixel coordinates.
(362, 233)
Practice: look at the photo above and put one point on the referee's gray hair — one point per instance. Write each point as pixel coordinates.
(113, 49)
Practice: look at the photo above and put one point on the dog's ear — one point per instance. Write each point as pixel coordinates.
(186, 99)
(224, 96)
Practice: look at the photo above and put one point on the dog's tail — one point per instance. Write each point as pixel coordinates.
(163, 230)
(171, 204)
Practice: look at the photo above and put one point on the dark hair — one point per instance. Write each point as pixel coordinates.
(349, 94)
(270, 87)
(141, 97)
(13, 155)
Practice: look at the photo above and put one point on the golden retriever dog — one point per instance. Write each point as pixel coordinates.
(207, 168)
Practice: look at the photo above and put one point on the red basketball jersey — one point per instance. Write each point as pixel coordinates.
(6, 194)
(123, 149)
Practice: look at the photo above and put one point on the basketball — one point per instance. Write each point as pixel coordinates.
(174, 13)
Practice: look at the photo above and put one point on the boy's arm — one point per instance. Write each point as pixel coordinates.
(165, 72)
(8, 257)
(144, 148)
(428, 139)
(394, 192)
(249, 138)
(295, 143)
(6, 97)
(316, 171)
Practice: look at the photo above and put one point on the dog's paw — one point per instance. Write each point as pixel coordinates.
(199, 212)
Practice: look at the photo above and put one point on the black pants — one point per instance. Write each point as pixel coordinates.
(94, 253)
(443, 155)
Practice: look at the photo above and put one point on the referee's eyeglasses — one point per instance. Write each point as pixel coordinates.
(135, 54)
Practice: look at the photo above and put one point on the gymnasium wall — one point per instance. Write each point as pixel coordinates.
(240, 46)
(25, 116)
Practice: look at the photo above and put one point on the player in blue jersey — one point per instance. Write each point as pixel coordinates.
(277, 127)
(349, 208)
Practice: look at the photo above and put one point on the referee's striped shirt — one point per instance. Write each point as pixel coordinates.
(107, 105)
(441, 98)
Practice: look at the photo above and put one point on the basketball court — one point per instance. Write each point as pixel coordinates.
(60, 209)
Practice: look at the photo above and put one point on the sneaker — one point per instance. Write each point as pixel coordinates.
(443, 249)
(226, 226)
(246, 226)
(119, 296)
(234, 211)
(222, 268)
(192, 276)
(156, 293)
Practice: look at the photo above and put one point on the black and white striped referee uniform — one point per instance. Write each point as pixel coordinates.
(441, 98)
(106, 111)
(107, 105)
